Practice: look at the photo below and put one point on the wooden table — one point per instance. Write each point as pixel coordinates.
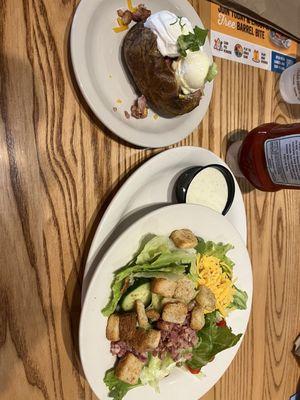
(59, 169)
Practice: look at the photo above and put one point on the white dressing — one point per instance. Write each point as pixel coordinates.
(208, 188)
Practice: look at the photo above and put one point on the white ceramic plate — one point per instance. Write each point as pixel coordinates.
(148, 188)
(95, 348)
(95, 53)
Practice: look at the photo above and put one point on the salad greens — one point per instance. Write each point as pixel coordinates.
(192, 41)
(212, 340)
(159, 255)
(154, 247)
(159, 258)
(156, 370)
(212, 72)
(239, 300)
(117, 388)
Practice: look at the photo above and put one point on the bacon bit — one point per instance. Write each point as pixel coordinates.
(139, 109)
(137, 14)
(115, 109)
(141, 14)
(126, 17)
(174, 339)
(127, 115)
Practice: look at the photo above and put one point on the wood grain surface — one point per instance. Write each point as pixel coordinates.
(59, 169)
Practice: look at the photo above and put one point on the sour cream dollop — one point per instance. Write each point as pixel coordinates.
(191, 71)
(168, 27)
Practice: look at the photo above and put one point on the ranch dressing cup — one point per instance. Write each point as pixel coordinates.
(289, 84)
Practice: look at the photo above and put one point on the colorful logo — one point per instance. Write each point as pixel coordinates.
(218, 44)
(256, 56)
(238, 50)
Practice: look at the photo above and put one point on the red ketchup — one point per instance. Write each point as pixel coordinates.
(269, 157)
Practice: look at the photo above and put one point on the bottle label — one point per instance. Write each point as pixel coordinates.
(283, 159)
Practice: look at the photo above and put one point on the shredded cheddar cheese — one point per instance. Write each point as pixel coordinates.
(120, 28)
(130, 6)
(120, 21)
(211, 275)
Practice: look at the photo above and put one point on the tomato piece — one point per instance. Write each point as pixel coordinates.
(222, 323)
(194, 370)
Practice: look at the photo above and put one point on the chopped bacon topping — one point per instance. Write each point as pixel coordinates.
(126, 16)
(139, 109)
(141, 14)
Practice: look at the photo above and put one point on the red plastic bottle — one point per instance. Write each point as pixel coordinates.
(269, 157)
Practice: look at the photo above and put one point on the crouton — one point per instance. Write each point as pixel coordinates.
(185, 290)
(175, 312)
(141, 314)
(164, 326)
(166, 300)
(164, 287)
(112, 328)
(145, 340)
(153, 315)
(184, 239)
(191, 305)
(197, 318)
(129, 369)
(127, 325)
(206, 299)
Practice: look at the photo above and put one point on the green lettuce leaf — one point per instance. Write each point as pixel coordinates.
(192, 41)
(218, 250)
(156, 370)
(116, 295)
(156, 246)
(239, 300)
(117, 388)
(177, 257)
(212, 340)
(162, 258)
(212, 72)
(173, 272)
(164, 262)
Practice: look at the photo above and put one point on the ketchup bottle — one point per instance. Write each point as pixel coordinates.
(269, 157)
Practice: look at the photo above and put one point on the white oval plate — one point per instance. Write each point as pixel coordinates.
(95, 54)
(95, 348)
(148, 188)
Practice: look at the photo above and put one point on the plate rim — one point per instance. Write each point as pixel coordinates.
(140, 221)
(118, 127)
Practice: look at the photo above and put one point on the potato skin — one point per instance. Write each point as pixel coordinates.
(153, 75)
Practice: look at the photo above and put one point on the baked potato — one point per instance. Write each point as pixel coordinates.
(153, 75)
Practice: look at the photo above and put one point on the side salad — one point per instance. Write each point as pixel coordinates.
(168, 309)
